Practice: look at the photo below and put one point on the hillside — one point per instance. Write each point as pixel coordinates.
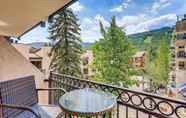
(158, 34)
(136, 39)
(37, 44)
(85, 45)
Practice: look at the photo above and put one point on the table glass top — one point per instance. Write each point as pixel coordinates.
(87, 101)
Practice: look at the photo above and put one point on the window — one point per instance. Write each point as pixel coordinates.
(184, 36)
(181, 54)
(181, 65)
(94, 70)
(181, 47)
(85, 61)
(85, 70)
(181, 36)
(37, 64)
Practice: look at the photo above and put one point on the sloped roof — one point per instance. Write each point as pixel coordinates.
(18, 16)
(33, 55)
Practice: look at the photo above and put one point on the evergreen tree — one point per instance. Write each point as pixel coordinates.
(64, 32)
(112, 56)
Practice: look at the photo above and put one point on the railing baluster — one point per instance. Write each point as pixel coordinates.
(50, 86)
(136, 113)
(149, 116)
(117, 110)
(126, 112)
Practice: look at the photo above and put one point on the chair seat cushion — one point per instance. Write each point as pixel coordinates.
(45, 111)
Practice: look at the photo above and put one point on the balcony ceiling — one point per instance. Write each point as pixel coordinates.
(18, 16)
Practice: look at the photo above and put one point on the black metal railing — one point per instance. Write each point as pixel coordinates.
(130, 104)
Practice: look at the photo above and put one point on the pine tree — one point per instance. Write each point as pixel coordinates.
(64, 32)
(112, 55)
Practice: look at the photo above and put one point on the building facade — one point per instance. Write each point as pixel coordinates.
(39, 57)
(138, 60)
(86, 66)
(180, 51)
(180, 44)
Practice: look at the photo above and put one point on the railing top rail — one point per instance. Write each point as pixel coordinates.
(128, 90)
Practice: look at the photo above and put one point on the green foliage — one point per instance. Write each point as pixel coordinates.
(66, 51)
(112, 54)
(157, 66)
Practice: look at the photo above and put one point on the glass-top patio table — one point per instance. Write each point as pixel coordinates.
(87, 102)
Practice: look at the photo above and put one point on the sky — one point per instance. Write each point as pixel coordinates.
(134, 16)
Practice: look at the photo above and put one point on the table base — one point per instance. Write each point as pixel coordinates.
(106, 115)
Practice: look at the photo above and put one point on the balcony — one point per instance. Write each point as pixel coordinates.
(130, 103)
(181, 36)
(181, 54)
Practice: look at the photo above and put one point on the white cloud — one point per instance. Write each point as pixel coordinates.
(117, 9)
(77, 7)
(90, 30)
(132, 24)
(131, 20)
(160, 4)
(99, 18)
(141, 23)
(121, 7)
(125, 5)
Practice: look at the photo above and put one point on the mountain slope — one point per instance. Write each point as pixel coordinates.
(85, 45)
(158, 34)
(136, 39)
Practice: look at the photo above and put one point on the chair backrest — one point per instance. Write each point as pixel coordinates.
(21, 91)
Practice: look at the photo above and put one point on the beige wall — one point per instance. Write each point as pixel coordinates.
(87, 55)
(14, 65)
(44, 53)
(23, 49)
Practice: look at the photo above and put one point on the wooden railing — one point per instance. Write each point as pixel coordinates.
(130, 104)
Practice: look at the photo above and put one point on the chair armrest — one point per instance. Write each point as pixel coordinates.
(25, 108)
(51, 89)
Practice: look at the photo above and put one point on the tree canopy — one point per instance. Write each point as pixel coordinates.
(157, 67)
(112, 54)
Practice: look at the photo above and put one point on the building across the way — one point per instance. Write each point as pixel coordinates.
(180, 51)
(88, 71)
(39, 57)
(180, 44)
(86, 66)
(138, 60)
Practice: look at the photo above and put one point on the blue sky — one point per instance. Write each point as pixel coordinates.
(134, 15)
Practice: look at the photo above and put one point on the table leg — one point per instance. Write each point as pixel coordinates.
(68, 115)
(104, 115)
(107, 115)
(65, 115)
